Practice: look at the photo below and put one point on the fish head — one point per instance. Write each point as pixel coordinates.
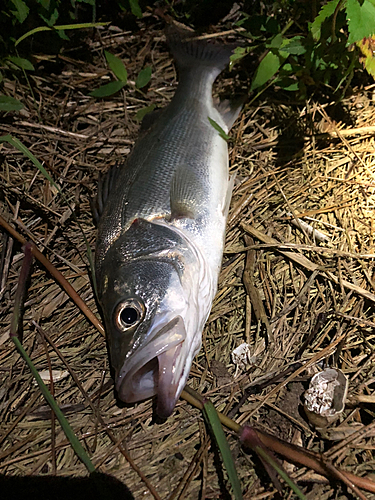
(153, 326)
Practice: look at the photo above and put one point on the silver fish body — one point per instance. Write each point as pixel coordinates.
(161, 235)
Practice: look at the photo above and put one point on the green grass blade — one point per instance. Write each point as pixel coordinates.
(281, 473)
(217, 127)
(14, 329)
(212, 419)
(74, 441)
(23, 149)
(58, 28)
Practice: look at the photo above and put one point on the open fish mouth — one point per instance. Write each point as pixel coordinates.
(156, 369)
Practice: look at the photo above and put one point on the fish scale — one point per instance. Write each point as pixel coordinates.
(161, 234)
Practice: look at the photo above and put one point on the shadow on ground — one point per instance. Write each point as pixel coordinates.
(96, 486)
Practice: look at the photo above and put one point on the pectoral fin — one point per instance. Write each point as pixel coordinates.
(186, 190)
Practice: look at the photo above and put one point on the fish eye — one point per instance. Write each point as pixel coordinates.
(128, 314)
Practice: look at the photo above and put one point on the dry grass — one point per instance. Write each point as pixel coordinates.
(292, 160)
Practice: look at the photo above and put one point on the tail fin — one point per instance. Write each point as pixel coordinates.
(190, 52)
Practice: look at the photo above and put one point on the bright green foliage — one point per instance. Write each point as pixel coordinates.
(9, 103)
(60, 29)
(361, 19)
(366, 47)
(15, 14)
(267, 68)
(144, 77)
(293, 46)
(119, 70)
(117, 66)
(270, 64)
(325, 12)
(303, 56)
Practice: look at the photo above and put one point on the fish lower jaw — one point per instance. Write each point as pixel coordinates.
(161, 376)
(140, 385)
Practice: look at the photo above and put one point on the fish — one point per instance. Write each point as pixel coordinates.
(161, 231)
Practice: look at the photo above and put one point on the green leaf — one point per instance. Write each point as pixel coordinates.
(276, 41)
(238, 54)
(294, 46)
(288, 84)
(21, 63)
(117, 66)
(325, 12)
(267, 68)
(9, 103)
(52, 19)
(219, 129)
(370, 65)
(361, 19)
(22, 10)
(141, 113)
(212, 419)
(45, 4)
(135, 8)
(62, 35)
(144, 77)
(108, 89)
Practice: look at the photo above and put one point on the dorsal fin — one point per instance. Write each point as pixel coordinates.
(105, 186)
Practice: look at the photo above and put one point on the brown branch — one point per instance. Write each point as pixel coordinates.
(57, 275)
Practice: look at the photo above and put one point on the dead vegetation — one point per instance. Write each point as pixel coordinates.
(297, 276)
